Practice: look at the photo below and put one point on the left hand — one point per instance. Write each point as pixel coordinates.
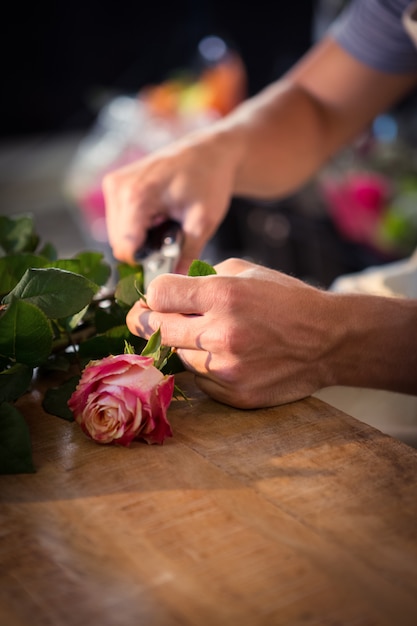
(190, 181)
(254, 337)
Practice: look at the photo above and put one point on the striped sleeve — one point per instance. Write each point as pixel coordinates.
(372, 31)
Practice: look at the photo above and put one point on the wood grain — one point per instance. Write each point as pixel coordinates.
(292, 515)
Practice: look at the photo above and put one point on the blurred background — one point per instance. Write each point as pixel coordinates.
(61, 59)
(89, 85)
(62, 63)
(71, 76)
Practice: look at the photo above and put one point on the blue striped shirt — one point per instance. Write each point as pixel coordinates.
(372, 31)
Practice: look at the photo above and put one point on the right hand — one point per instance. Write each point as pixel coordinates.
(190, 181)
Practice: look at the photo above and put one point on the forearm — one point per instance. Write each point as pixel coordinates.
(278, 139)
(374, 342)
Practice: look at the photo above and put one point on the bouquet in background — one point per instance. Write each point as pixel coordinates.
(370, 193)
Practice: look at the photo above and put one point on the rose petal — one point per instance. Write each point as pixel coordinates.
(121, 398)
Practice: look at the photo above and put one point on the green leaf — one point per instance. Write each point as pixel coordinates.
(126, 289)
(179, 393)
(110, 342)
(56, 292)
(70, 265)
(201, 268)
(17, 234)
(164, 357)
(56, 399)
(71, 322)
(141, 295)
(124, 269)
(129, 349)
(14, 381)
(15, 448)
(25, 333)
(13, 267)
(109, 316)
(49, 252)
(173, 365)
(94, 267)
(153, 346)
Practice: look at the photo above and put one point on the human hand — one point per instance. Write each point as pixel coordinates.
(190, 181)
(253, 337)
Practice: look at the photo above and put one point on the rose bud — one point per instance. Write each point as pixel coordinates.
(121, 398)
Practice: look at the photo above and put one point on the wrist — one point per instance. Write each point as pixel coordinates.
(372, 342)
(226, 140)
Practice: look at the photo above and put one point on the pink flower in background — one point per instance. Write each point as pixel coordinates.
(121, 398)
(356, 203)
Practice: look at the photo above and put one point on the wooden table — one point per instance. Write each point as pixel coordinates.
(296, 515)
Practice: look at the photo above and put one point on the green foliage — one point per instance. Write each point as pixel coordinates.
(17, 235)
(200, 268)
(12, 268)
(14, 382)
(164, 357)
(109, 316)
(128, 289)
(153, 347)
(49, 308)
(53, 314)
(25, 333)
(110, 342)
(56, 399)
(56, 292)
(15, 449)
(93, 267)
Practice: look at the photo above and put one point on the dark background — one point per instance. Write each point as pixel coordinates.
(60, 59)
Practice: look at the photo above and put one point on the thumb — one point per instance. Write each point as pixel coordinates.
(191, 250)
(126, 226)
(198, 228)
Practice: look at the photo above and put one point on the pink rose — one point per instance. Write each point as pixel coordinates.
(122, 398)
(356, 203)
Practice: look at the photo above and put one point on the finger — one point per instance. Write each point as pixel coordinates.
(214, 382)
(221, 381)
(176, 330)
(225, 368)
(198, 228)
(174, 293)
(246, 269)
(127, 223)
(185, 260)
(225, 394)
(191, 250)
(233, 266)
(125, 228)
(213, 389)
(128, 238)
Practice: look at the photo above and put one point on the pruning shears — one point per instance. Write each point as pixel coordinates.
(161, 250)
